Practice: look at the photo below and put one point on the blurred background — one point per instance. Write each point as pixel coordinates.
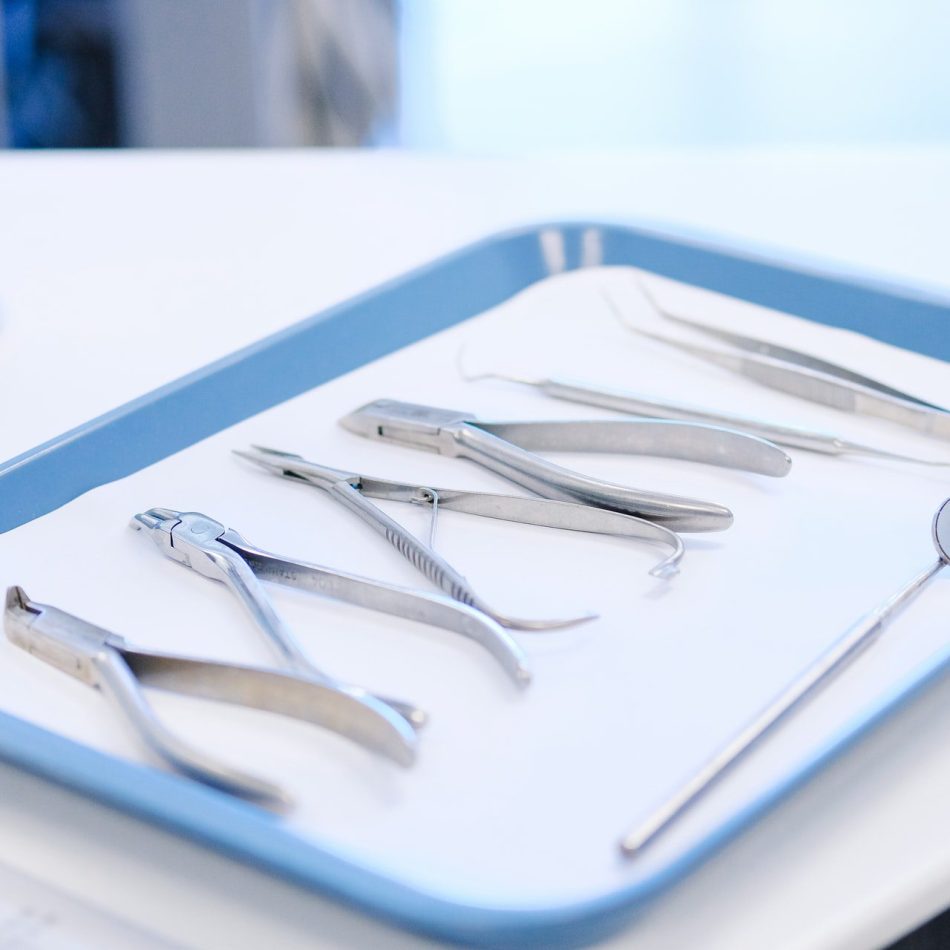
(477, 76)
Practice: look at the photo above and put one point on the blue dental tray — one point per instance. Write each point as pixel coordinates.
(334, 342)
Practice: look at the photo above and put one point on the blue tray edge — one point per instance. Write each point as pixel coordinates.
(241, 831)
(400, 312)
(333, 342)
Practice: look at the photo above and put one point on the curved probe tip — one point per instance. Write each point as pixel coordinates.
(523, 677)
(516, 623)
(469, 377)
(665, 569)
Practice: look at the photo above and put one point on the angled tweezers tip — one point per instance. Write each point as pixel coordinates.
(268, 458)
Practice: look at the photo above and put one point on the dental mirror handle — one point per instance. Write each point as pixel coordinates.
(847, 648)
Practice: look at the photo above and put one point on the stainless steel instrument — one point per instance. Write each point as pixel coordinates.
(635, 404)
(207, 546)
(353, 492)
(108, 663)
(847, 648)
(507, 448)
(799, 374)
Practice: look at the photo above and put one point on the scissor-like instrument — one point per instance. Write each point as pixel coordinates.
(508, 449)
(354, 492)
(119, 670)
(207, 546)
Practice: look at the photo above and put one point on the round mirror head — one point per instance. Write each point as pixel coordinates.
(941, 529)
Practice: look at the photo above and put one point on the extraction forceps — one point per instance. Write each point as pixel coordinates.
(108, 663)
(221, 553)
(354, 491)
(507, 448)
(635, 404)
(799, 374)
(842, 652)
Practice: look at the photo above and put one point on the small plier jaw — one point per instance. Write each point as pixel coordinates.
(106, 662)
(188, 537)
(63, 641)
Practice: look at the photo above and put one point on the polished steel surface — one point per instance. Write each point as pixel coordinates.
(198, 545)
(798, 374)
(589, 394)
(543, 512)
(107, 662)
(351, 491)
(696, 442)
(221, 553)
(461, 434)
(842, 652)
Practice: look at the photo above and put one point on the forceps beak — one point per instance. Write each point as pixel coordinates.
(267, 456)
(270, 459)
(154, 518)
(157, 524)
(291, 465)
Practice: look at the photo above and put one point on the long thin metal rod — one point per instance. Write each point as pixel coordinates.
(620, 401)
(858, 638)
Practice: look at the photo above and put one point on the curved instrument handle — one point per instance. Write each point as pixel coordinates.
(636, 405)
(241, 579)
(693, 441)
(553, 481)
(434, 567)
(419, 554)
(434, 609)
(116, 680)
(348, 711)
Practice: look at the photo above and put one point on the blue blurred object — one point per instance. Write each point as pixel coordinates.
(185, 73)
(483, 76)
(60, 86)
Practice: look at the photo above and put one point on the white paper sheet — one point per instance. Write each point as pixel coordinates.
(519, 798)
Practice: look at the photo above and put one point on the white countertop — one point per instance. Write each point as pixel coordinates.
(211, 251)
(119, 272)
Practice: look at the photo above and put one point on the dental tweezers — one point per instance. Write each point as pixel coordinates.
(108, 663)
(845, 650)
(354, 491)
(800, 374)
(507, 448)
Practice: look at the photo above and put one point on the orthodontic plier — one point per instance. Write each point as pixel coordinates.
(507, 448)
(215, 551)
(119, 670)
(354, 491)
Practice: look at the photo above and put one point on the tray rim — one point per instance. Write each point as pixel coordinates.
(50, 475)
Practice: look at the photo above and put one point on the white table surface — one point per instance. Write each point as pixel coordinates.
(119, 272)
